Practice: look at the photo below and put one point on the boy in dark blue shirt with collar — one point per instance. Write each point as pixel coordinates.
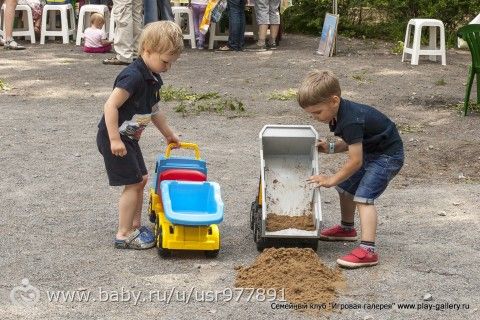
(132, 104)
(375, 156)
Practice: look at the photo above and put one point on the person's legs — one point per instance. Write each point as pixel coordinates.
(124, 36)
(127, 207)
(137, 25)
(137, 220)
(9, 17)
(368, 221)
(347, 208)
(236, 29)
(150, 9)
(274, 17)
(198, 12)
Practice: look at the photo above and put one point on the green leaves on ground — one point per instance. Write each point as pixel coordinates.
(289, 94)
(195, 103)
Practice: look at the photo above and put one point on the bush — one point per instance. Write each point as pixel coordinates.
(385, 19)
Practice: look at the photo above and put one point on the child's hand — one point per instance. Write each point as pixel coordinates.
(118, 148)
(322, 146)
(322, 181)
(173, 139)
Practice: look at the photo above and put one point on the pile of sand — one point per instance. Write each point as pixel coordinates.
(300, 272)
(276, 222)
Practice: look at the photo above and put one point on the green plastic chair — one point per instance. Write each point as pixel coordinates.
(471, 34)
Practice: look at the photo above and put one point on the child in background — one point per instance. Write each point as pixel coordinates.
(198, 9)
(132, 104)
(375, 156)
(37, 10)
(95, 38)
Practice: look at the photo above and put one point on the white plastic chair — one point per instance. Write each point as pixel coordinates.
(84, 16)
(432, 51)
(28, 29)
(177, 12)
(65, 31)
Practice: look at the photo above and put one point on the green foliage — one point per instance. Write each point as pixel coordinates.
(289, 94)
(386, 19)
(195, 103)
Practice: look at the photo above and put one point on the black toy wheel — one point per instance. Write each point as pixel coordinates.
(253, 210)
(162, 252)
(211, 253)
(261, 242)
(151, 213)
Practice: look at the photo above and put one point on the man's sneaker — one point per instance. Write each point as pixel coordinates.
(358, 258)
(257, 48)
(12, 45)
(337, 233)
(272, 46)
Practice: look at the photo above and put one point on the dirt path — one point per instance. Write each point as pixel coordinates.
(58, 215)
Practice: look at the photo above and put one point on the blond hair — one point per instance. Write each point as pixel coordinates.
(161, 37)
(318, 86)
(96, 17)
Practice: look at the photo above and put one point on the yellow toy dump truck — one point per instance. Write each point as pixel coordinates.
(184, 206)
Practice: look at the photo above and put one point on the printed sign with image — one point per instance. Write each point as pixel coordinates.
(329, 34)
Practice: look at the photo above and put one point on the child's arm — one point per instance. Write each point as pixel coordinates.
(353, 163)
(105, 42)
(160, 121)
(340, 146)
(116, 100)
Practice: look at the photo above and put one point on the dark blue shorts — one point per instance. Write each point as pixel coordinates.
(368, 183)
(125, 170)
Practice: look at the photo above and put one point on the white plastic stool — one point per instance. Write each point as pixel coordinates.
(85, 13)
(415, 50)
(177, 11)
(65, 31)
(29, 30)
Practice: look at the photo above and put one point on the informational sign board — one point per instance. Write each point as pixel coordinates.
(328, 36)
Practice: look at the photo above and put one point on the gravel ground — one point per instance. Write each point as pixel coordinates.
(59, 216)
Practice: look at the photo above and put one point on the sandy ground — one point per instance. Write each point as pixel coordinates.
(58, 215)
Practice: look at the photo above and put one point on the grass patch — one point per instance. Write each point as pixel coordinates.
(4, 86)
(440, 82)
(408, 128)
(472, 107)
(397, 48)
(360, 77)
(289, 94)
(195, 103)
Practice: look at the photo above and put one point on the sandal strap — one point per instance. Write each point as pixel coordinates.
(132, 236)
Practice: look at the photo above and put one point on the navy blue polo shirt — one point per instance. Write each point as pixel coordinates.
(357, 122)
(143, 87)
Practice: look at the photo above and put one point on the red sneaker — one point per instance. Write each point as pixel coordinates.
(337, 233)
(358, 258)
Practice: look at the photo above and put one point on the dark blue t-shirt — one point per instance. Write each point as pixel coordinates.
(361, 123)
(143, 87)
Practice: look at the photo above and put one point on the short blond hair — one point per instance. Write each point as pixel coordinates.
(318, 86)
(161, 37)
(96, 17)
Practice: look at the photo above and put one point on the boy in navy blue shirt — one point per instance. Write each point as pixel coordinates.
(375, 156)
(132, 104)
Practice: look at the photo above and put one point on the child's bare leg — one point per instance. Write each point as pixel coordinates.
(137, 220)
(127, 206)
(347, 208)
(368, 221)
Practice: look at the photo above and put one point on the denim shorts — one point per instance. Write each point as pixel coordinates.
(369, 182)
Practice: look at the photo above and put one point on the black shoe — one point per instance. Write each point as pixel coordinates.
(257, 48)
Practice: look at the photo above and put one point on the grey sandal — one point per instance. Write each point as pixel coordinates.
(135, 240)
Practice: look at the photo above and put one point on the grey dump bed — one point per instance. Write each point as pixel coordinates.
(288, 159)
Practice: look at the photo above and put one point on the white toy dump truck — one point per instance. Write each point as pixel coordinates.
(288, 157)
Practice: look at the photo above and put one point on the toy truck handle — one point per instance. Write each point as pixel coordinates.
(184, 145)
